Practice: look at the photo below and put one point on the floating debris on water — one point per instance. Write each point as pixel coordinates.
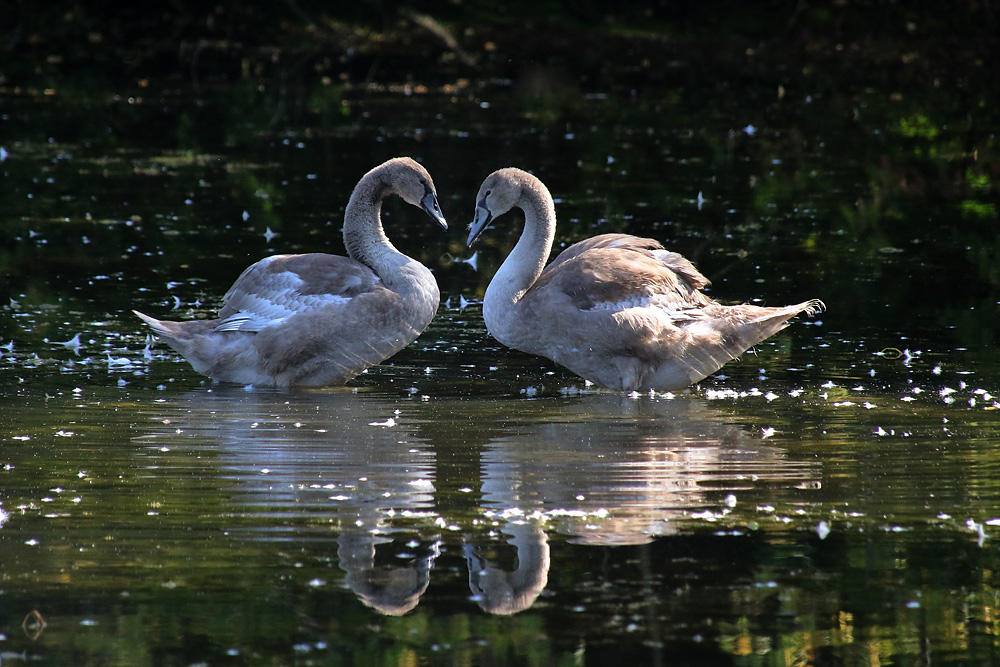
(73, 343)
(472, 261)
(823, 530)
(119, 363)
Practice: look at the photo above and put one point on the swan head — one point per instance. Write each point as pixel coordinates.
(499, 193)
(410, 180)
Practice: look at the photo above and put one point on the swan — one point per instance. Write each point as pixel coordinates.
(618, 310)
(317, 319)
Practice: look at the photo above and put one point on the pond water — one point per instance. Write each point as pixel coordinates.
(832, 497)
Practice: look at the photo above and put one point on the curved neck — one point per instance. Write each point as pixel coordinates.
(364, 237)
(525, 262)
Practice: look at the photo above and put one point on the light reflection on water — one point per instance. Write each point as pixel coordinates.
(357, 468)
(616, 470)
(463, 475)
(835, 490)
(410, 502)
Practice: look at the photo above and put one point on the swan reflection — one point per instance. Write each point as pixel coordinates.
(392, 590)
(508, 591)
(331, 465)
(613, 470)
(367, 471)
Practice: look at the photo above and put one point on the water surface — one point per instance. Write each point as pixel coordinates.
(831, 498)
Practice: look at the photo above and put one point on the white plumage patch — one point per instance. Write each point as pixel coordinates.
(636, 301)
(670, 306)
(273, 304)
(700, 328)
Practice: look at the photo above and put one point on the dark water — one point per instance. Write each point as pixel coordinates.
(832, 498)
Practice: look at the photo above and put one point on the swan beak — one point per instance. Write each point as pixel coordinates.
(429, 204)
(479, 223)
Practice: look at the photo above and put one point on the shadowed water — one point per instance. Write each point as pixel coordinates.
(833, 497)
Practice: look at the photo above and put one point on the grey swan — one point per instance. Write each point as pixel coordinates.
(317, 319)
(617, 310)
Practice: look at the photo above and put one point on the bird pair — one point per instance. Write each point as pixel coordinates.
(618, 310)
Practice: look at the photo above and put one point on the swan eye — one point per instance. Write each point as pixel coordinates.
(489, 192)
(423, 181)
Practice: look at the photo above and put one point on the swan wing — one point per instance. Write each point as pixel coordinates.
(277, 288)
(616, 271)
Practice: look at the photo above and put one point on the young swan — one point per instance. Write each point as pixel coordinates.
(318, 319)
(616, 309)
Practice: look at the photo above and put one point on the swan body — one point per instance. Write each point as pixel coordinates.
(317, 319)
(618, 310)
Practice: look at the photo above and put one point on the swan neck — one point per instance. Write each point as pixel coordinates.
(364, 237)
(531, 252)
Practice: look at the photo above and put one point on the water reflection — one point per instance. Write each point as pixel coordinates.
(350, 468)
(614, 470)
(362, 469)
(500, 590)
(390, 589)
(609, 470)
